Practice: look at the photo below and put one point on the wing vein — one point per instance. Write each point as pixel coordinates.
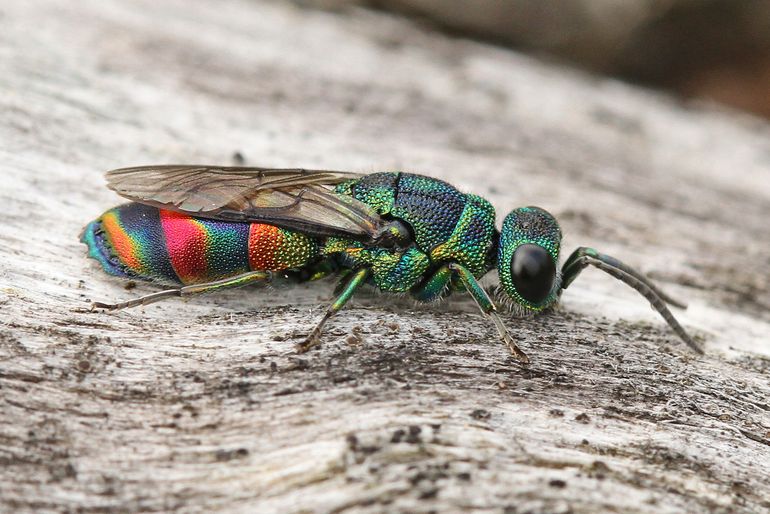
(293, 198)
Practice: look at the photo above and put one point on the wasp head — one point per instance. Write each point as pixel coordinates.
(527, 257)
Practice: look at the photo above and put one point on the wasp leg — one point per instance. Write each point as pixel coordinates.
(435, 287)
(584, 256)
(208, 287)
(487, 307)
(359, 278)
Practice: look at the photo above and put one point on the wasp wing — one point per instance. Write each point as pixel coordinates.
(296, 199)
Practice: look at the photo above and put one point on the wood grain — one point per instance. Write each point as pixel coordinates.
(202, 405)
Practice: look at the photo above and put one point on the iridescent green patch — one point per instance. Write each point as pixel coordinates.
(472, 238)
(392, 270)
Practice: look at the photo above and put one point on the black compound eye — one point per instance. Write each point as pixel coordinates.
(532, 272)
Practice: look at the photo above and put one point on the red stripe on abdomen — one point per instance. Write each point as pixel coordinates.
(187, 242)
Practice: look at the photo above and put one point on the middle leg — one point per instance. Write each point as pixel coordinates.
(357, 280)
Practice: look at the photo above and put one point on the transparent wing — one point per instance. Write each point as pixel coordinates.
(295, 199)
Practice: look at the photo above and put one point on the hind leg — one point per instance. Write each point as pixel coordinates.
(191, 290)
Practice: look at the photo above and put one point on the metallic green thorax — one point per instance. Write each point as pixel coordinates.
(447, 225)
(522, 226)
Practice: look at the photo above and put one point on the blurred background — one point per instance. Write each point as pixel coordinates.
(705, 49)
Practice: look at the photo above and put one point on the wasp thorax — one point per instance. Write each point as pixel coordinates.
(527, 257)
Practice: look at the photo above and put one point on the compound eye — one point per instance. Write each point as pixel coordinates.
(533, 272)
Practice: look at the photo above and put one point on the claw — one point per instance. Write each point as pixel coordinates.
(307, 345)
(517, 353)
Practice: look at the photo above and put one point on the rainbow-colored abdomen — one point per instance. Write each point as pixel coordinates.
(139, 241)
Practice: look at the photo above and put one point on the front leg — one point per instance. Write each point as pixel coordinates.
(437, 284)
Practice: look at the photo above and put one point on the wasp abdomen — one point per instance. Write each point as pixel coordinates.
(140, 241)
(128, 241)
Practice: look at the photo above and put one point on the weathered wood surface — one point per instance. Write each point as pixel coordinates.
(201, 405)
